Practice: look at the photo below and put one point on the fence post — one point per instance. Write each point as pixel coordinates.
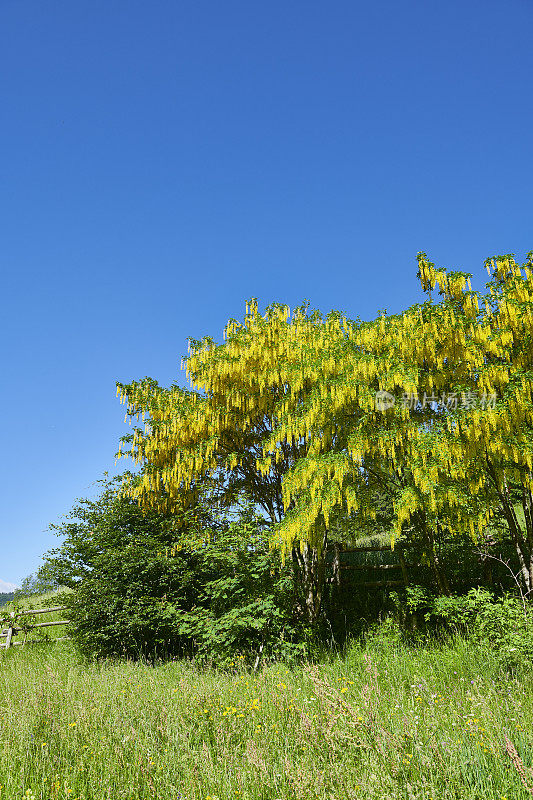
(403, 565)
(10, 631)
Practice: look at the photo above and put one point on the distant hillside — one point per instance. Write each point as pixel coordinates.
(6, 597)
(36, 600)
(42, 600)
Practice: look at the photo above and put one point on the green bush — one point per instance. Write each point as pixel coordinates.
(244, 607)
(503, 623)
(128, 607)
(224, 600)
(220, 595)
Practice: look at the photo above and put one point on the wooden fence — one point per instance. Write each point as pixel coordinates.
(14, 628)
(384, 572)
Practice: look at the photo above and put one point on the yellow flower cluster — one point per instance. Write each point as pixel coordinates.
(304, 388)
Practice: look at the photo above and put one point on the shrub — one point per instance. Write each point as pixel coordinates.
(504, 623)
(219, 595)
(244, 607)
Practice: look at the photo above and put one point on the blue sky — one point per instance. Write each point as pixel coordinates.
(163, 162)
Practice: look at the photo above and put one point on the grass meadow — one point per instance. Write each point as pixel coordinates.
(381, 721)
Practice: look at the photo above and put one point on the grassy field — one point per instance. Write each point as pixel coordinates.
(383, 721)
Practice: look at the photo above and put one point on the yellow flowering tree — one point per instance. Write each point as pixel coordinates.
(215, 434)
(285, 409)
(459, 448)
(484, 445)
(310, 414)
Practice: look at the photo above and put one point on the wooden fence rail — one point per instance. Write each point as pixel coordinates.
(381, 575)
(13, 628)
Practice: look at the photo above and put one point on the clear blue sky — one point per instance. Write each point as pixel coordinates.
(163, 162)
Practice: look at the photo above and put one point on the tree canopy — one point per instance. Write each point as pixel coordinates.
(312, 414)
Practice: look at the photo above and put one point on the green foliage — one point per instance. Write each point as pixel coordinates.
(122, 610)
(127, 589)
(244, 607)
(94, 529)
(503, 623)
(146, 584)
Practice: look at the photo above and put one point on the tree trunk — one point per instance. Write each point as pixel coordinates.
(311, 573)
(522, 540)
(427, 535)
(337, 564)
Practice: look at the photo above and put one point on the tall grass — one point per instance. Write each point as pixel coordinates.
(383, 721)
